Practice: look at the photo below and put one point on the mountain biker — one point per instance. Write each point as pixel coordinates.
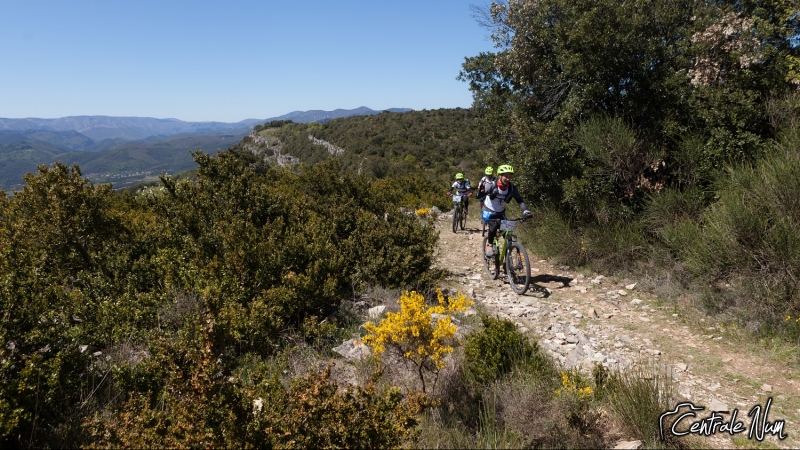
(488, 178)
(462, 188)
(498, 194)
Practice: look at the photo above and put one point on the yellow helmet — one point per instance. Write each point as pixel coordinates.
(459, 176)
(505, 168)
(489, 170)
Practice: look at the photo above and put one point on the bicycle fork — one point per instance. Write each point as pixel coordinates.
(502, 255)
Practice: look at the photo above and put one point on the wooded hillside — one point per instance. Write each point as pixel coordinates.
(435, 144)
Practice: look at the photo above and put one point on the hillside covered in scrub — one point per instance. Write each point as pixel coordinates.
(118, 307)
(434, 144)
(658, 140)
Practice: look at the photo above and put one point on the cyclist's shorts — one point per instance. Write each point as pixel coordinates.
(486, 215)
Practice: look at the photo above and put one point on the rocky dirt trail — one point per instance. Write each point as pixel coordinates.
(597, 318)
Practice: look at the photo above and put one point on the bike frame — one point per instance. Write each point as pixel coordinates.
(507, 237)
(459, 205)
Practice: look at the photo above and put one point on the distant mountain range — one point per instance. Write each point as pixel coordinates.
(324, 116)
(126, 149)
(99, 128)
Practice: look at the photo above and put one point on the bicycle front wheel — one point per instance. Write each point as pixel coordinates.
(491, 265)
(463, 218)
(456, 214)
(518, 268)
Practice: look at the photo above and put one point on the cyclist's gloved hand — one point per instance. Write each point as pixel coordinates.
(448, 192)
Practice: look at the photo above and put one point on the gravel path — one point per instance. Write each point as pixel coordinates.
(600, 319)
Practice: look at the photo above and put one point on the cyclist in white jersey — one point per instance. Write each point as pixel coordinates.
(462, 187)
(498, 194)
(488, 178)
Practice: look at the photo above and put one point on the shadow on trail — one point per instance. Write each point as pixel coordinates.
(545, 278)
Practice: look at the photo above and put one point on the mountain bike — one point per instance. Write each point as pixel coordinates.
(459, 216)
(510, 255)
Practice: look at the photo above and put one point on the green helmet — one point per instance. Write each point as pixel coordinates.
(459, 176)
(489, 171)
(505, 168)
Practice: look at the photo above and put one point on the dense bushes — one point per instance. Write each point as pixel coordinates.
(130, 313)
(428, 145)
(653, 135)
(498, 349)
(506, 393)
(258, 412)
(750, 237)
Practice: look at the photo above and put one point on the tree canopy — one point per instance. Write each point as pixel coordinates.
(603, 102)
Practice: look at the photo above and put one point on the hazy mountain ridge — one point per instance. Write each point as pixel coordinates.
(122, 148)
(137, 128)
(129, 128)
(324, 116)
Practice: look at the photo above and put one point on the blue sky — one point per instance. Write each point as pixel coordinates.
(232, 60)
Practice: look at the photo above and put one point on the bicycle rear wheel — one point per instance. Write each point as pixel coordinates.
(491, 265)
(456, 213)
(518, 268)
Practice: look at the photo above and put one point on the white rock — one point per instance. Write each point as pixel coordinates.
(766, 388)
(376, 311)
(353, 349)
(622, 292)
(630, 286)
(628, 445)
(636, 301)
(718, 406)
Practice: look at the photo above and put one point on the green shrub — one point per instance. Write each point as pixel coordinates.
(750, 238)
(500, 348)
(672, 206)
(259, 412)
(638, 396)
(616, 247)
(549, 235)
(106, 300)
(611, 247)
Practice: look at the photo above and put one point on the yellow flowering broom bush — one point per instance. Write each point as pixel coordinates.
(413, 334)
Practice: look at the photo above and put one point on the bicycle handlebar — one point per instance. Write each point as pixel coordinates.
(521, 219)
